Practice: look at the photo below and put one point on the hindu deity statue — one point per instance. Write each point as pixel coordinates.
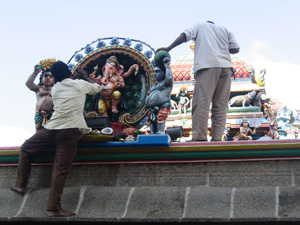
(284, 118)
(273, 132)
(44, 104)
(269, 111)
(184, 100)
(159, 98)
(243, 134)
(112, 80)
(260, 80)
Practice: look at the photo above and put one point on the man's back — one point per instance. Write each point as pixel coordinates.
(212, 45)
(69, 98)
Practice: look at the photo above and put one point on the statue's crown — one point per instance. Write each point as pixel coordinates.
(113, 59)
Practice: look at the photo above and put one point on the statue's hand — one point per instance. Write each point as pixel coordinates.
(44, 113)
(136, 67)
(98, 80)
(167, 62)
(37, 69)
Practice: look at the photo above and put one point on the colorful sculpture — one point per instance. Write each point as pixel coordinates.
(184, 100)
(273, 132)
(284, 118)
(113, 80)
(44, 104)
(253, 98)
(260, 80)
(269, 111)
(244, 132)
(159, 98)
(128, 93)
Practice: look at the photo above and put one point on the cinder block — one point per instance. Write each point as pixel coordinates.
(104, 202)
(208, 202)
(255, 202)
(289, 202)
(156, 202)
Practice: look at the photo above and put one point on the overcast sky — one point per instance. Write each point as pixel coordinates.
(267, 31)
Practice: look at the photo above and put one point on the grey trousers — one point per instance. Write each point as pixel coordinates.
(212, 86)
(65, 143)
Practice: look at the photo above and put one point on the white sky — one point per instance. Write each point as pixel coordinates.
(267, 31)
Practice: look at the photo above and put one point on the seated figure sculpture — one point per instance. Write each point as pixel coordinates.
(243, 134)
(159, 98)
(112, 80)
(273, 131)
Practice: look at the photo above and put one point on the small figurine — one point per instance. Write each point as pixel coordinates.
(244, 131)
(44, 104)
(273, 132)
(265, 137)
(159, 98)
(184, 100)
(268, 111)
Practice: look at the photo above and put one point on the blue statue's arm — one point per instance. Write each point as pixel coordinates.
(169, 75)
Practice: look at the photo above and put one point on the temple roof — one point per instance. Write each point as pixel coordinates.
(242, 80)
(182, 70)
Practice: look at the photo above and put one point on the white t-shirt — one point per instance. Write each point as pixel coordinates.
(212, 44)
(68, 99)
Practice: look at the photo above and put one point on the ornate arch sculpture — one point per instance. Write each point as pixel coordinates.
(128, 52)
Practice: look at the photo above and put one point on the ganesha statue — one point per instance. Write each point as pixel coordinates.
(124, 69)
(112, 80)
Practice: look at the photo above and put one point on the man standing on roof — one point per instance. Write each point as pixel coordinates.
(213, 70)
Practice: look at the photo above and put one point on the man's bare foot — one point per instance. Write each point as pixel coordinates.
(61, 213)
(19, 190)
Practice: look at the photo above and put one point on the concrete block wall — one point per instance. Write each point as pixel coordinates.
(262, 191)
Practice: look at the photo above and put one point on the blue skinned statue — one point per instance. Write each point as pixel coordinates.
(159, 98)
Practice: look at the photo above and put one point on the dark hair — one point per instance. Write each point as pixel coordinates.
(60, 71)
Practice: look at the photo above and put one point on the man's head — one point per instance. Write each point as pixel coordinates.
(60, 71)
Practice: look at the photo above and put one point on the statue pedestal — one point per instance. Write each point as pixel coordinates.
(149, 140)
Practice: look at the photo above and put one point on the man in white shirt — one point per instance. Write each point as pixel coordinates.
(62, 131)
(213, 70)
